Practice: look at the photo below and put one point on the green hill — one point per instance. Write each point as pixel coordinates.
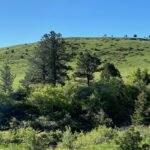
(77, 116)
(126, 54)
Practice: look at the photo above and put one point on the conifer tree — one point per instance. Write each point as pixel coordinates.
(141, 114)
(6, 78)
(49, 62)
(87, 64)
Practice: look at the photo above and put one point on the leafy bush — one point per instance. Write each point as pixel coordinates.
(49, 100)
(130, 140)
(28, 138)
(67, 139)
(53, 105)
(94, 139)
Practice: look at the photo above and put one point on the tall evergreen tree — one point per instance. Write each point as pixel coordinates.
(6, 79)
(142, 113)
(49, 62)
(87, 64)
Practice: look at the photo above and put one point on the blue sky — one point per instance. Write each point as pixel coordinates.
(24, 21)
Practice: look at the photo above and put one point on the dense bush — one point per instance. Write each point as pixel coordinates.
(67, 139)
(53, 106)
(105, 95)
(95, 137)
(132, 139)
(63, 116)
(103, 138)
(28, 138)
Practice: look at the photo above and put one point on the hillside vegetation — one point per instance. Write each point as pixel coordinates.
(75, 94)
(126, 54)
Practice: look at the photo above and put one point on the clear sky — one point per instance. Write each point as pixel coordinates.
(24, 21)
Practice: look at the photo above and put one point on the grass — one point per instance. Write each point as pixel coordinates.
(126, 54)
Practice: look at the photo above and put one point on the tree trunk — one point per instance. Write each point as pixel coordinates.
(54, 64)
(88, 80)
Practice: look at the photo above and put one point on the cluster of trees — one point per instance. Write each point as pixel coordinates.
(45, 106)
(135, 36)
(49, 65)
(49, 62)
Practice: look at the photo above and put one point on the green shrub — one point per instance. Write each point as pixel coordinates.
(53, 106)
(97, 137)
(28, 138)
(48, 100)
(130, 140)
(67, 140)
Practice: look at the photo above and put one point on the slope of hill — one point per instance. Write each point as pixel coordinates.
(126, 54)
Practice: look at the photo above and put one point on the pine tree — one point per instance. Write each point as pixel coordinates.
(141, 115)
(87, 64)
(49, 62)
(25, 83)
(6, 78)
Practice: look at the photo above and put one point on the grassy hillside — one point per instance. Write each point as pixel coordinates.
(77, 116)
(126, 54)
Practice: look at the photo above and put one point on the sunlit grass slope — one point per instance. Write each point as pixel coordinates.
(126, 54)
